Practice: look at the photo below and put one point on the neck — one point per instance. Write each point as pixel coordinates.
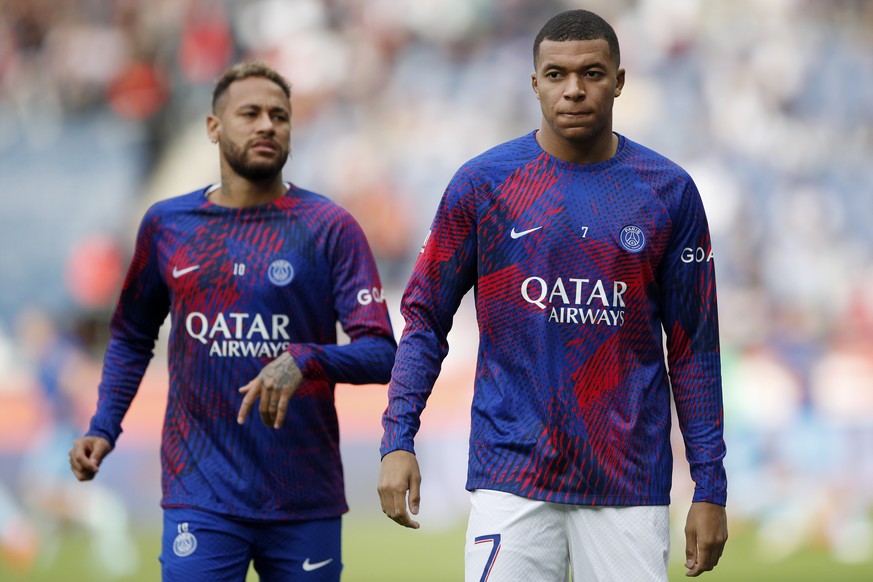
(238, 192)
(600, 149)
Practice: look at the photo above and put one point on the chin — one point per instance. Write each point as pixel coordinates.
(266, 169)
(261, 174)
(576, 135)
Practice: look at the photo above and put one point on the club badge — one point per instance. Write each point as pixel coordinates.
(280, 272)
(632, 238)
(185, 543)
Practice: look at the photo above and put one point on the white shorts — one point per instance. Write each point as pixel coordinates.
(514, 539)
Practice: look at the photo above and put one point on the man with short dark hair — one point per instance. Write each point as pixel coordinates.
(255, 274)
(577, 242)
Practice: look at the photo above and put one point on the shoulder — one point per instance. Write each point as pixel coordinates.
(318, 204)
(164, 209)
(317, 210)
(666, 180)
(163, 214)
(492, 166)
(509, 154)
(652, 166)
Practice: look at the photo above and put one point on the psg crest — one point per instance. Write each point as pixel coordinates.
(185, 543)
(280, 272)
(632, 238)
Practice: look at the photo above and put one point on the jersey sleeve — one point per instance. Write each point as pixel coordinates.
(444, 272)
(361, 310)
(142, 307)
(690, 320)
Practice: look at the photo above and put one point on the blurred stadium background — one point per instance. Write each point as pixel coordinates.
(769, 105)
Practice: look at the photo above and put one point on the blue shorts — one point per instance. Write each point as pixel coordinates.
(200, 545)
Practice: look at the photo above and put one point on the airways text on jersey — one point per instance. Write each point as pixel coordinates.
(240, 334)
(577, 300)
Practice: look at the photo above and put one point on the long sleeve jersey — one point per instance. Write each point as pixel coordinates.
(242, 286)
(576, 269)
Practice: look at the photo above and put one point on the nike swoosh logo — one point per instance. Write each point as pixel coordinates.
(309, 566)
(179, 272)
(515, 235)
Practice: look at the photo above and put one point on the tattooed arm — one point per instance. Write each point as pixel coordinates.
(276, 384)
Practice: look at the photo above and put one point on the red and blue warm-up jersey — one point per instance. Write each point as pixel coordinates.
(576, 271)
(241, 287)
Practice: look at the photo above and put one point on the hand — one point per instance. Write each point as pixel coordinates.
(705, 536)
(86, 455)
(278, 381)
(398, 475)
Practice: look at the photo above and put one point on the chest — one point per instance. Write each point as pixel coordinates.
(222, 261)
(578, 223)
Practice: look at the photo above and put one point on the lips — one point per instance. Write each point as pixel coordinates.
(575, 118)
(265, 147)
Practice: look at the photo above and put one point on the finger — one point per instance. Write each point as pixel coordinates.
(705, 557)
(397, 507)
(393, 500)
(414, 494)
(76, 467)
(268, 407)
(83, 455)
(699, 567)
(98, 452)
(251, 390)
(82, 467)
(83, 474)
(281, 409)
(266, 396)
(89, 465)
(386, 497)
(404, 518)
(690, 552)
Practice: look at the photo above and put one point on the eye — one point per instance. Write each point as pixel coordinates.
(553, 75)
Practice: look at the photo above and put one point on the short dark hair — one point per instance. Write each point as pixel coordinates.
(577, 25)
(242, 71)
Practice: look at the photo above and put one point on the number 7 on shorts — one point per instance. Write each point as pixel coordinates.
(495, 539)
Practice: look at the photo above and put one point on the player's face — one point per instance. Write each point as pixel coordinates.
(254, 128)
(576, 83)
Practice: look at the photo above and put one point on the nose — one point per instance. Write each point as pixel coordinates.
(574, 88)
(265, 123)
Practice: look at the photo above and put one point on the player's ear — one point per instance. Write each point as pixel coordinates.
(533, 85)
(213, 125)
(619, 82)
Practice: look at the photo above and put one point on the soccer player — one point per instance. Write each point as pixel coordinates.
(582, 246)
(255, 274)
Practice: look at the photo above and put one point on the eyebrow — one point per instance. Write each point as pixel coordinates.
(259, 107)
(596, 64)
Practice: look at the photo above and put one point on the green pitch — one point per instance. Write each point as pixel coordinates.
(377, 550)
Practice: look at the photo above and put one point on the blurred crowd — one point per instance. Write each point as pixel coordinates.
(769, 106)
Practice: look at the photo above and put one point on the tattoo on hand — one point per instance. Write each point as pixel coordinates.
(282, 373)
